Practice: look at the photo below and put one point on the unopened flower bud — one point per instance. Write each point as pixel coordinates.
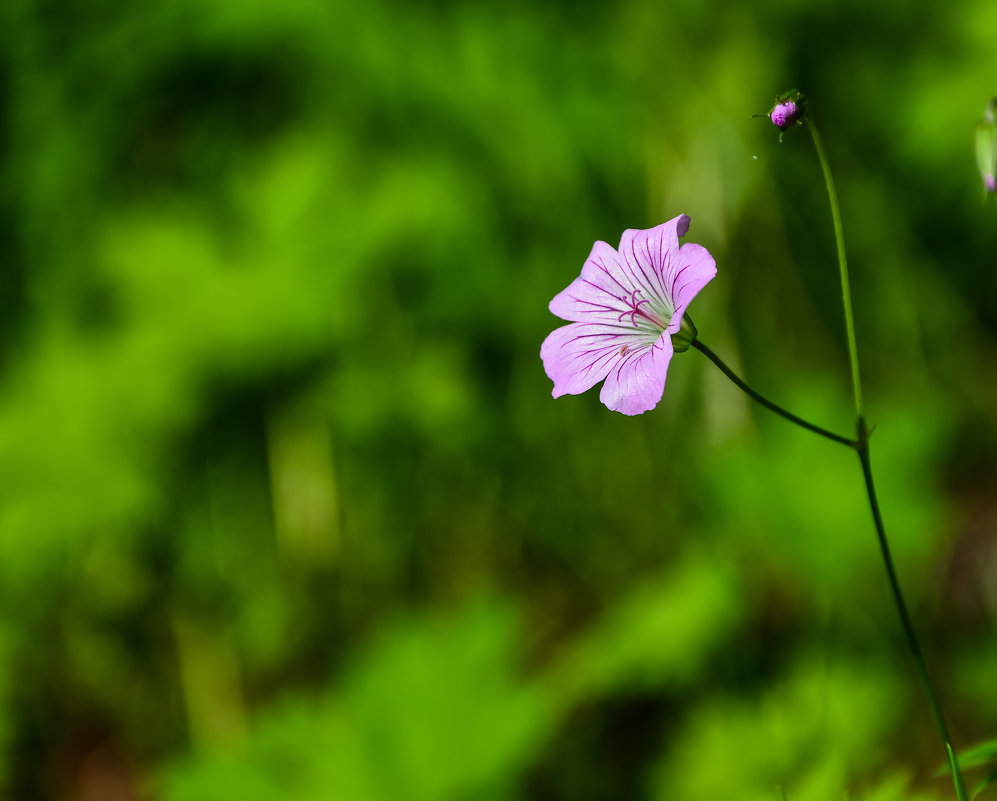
(784, 115)
(790, 109)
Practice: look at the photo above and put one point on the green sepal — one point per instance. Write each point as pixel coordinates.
(685, 336)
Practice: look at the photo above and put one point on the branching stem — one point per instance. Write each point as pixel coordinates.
(709, 354)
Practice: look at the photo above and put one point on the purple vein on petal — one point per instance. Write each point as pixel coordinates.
(630, 270)
(598, 306)
(652, 286)
(605, 353)
(624, 361)
(598, 263)
(606, 356)
(675, 280)
(666, 264)
(660, 268)
(657, 271)
(701, 273)
(603, 289)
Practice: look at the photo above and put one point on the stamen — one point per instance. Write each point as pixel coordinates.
(636, 310)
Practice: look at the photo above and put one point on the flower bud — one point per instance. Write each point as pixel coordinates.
(790, 109)
(784, 115)
(986, 147)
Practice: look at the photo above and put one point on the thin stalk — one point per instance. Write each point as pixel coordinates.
(912, 643)
(839, 240)
(864, 458)
(766, 402)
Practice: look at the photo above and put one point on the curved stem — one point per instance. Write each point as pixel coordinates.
(766, 402)
(912, 643)
(839, 240)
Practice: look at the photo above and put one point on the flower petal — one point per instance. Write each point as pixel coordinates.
(636, 383)
(578, 356)
(695, 269)
(649, 255)
(598, 294)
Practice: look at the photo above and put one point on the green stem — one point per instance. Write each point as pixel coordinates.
(766, 402)
(839, 239)
(912, 643)
(864, 458)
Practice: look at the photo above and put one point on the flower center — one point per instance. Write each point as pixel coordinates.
(638, 311)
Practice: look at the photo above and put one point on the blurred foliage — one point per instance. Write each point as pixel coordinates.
(287, 509)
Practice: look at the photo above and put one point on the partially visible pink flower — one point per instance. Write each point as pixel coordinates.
(986, 147)
(623, 309)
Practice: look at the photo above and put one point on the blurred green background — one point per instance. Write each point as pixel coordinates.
(286, 508)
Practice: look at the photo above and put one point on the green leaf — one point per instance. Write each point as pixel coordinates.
(986, 782)
(980, 754)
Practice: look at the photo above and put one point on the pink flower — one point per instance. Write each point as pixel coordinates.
(623, 309)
